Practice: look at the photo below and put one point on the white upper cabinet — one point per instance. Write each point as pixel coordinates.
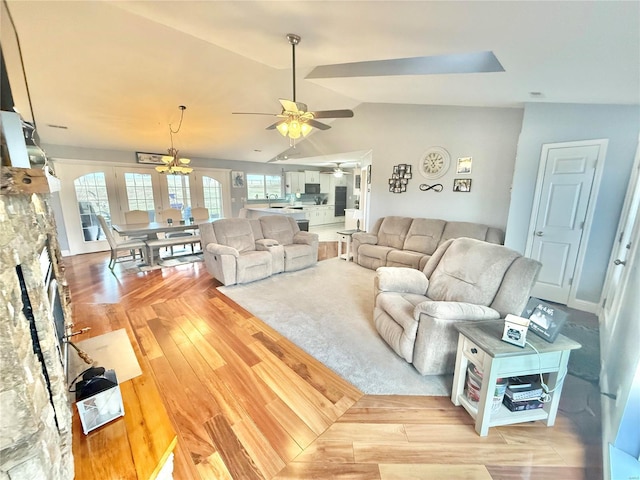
(311, 176)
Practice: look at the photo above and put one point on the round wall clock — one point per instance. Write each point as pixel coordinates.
(434, 163)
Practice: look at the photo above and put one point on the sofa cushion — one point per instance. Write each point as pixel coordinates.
(236, 233)
(424, 235)
(470, 271)
(279, 227)
(404, 258)
(373, 256)
(393, 231)
(464, 229)
(253, 266)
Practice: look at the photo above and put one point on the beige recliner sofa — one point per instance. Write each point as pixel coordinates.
(409, 242)
(464, 280)
(236, 250)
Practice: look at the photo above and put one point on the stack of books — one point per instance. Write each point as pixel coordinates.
(523, 396)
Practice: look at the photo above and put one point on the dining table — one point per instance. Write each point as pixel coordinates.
(151, 230)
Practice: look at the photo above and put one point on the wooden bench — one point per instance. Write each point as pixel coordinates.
(158, 243)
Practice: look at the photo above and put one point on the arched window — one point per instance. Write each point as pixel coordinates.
(91, 194)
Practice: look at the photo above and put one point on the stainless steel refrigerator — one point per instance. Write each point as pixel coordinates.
(341, 201)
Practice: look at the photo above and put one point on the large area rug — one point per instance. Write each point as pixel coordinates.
(327, 310)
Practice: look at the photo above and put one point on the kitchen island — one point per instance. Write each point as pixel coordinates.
(257, 212)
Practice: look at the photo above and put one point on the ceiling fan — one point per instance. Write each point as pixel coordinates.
(297, 120)
(337, 171)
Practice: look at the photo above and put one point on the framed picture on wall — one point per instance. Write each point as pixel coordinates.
(152, 158)
(237, 179)
(464, 165)
(462, 185)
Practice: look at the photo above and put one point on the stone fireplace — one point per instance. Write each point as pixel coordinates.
(35, 425)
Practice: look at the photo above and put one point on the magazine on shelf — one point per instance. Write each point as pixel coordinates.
(546, 318)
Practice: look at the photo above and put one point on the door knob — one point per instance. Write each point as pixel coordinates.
(619, 262)
(539, 233)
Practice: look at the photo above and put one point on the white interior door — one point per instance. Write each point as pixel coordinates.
(559, 216)
(618, 262)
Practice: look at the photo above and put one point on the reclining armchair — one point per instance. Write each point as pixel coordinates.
(232, 254)
(464, 280)
(300, 248)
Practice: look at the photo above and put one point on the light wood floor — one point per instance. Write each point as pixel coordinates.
(248, 404)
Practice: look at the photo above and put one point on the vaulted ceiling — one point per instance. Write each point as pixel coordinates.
(114, 73)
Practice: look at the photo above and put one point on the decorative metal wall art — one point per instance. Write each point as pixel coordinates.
(400, 178)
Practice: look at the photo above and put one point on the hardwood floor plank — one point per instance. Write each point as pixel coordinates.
(260, 448)
(235, 457)
(327, 452)
(295, 427)
(323, 471)
(302, 367)
(212, 468)
(192, 433)
(473, 454)
(446, 434)
(363, 432)
(533, 472)
(433, 472)
(452, 415)
(404, 402)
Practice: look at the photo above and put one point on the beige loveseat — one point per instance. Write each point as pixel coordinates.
(410, 242)
(242, 250)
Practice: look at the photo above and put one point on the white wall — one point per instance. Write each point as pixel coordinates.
(550, 123)
(402, 133)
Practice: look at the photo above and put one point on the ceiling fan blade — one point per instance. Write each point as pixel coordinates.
(295, 107)
(477, 62)
(274, 126)
(318, 125)
(333, 114)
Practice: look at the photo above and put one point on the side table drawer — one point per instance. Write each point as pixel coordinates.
(473, 353)
(527, 364)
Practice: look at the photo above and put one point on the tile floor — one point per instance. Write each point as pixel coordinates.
(328, 233)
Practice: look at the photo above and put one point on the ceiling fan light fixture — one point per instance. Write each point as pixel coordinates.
(283, 128)
(305, 129)
(338, 173)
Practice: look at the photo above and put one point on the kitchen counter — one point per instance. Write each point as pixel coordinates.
(257, 212)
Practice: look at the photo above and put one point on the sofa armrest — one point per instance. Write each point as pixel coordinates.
(217, 249)
(363, 237)
(455, 311)
(306, 238)
(401, 280)
(265, 243)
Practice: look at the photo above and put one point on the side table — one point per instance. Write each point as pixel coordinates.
(344, 236)
(480, 343)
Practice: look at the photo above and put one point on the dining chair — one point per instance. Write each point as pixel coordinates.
(120, 246)
(136, 216)
(175, 215)
(199, 214)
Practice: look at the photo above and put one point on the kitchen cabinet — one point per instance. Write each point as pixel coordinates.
(311, 176)
(319, 214)
(294, 182)
(325, 183)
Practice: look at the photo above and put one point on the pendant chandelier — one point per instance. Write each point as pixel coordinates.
(174, 164)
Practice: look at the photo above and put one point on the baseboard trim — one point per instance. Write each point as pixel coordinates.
(584, 306)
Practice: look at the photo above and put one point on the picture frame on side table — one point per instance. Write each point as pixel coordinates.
(150, 158)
